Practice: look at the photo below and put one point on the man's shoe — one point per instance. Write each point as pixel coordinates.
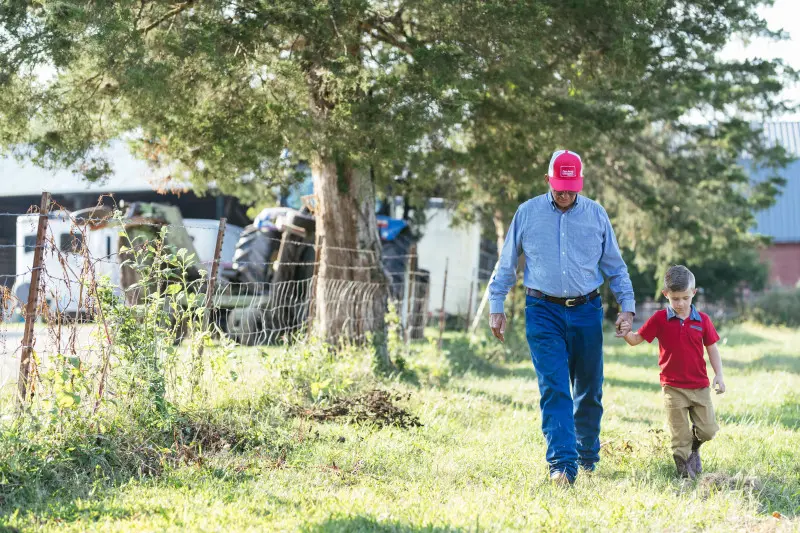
(560, 479)
(683, 467)
(587, 470)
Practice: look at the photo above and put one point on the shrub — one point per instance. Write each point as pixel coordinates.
(779, 308)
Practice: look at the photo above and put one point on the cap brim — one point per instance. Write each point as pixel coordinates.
(574, 185)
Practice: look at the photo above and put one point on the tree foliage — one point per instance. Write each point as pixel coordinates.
(468, 97)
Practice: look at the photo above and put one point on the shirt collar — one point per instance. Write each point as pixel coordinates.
(693, 315)
(555, 206)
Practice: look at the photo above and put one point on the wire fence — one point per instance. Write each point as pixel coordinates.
(106, 277)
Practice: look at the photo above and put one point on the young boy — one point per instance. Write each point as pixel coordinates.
(682, 332)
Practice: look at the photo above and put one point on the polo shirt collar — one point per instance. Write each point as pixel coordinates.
(693, 315)
(555, 206)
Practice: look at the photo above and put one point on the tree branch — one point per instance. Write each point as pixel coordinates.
(169, 14)
(380, 33)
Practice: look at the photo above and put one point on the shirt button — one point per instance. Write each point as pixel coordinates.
(564, 272)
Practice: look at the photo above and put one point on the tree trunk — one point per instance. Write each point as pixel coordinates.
(351, 286)
(499, 230)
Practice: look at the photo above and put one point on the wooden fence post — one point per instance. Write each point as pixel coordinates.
(469, 306)
(444, 295)
(212, 281)
(411, 308)
(313, 290)
(33, 302)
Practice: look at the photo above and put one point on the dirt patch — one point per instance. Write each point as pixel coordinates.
(196, 438)
(376, 406)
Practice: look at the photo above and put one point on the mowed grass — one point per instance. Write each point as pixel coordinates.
(477, 462)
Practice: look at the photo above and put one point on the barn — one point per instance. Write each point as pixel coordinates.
(781, 222)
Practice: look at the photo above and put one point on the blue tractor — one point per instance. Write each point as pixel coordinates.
(279, 248)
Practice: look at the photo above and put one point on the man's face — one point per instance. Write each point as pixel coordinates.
(681, 301)
(563, 199)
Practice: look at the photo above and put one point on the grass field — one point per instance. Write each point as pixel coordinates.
(475, 464)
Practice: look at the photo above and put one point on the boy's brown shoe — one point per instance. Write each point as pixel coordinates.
(694, 457)
(694, 462)
(683, 467)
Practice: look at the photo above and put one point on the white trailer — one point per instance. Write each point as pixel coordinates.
(63, 281)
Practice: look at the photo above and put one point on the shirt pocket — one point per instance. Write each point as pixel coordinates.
(695, 334)
(587, 244)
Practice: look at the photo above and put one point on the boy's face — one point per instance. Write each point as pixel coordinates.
(681, 301)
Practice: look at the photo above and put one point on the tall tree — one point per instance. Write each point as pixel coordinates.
(469, 95)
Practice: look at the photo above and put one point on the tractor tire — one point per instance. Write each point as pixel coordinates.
(254, 254)
(245, 325)
(304, 274)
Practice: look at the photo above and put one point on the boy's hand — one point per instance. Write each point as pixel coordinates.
(624, 320)
(718, 384)
(625, 329)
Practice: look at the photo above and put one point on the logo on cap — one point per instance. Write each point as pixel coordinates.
(567, 172)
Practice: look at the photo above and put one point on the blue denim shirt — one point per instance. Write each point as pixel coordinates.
(565, 253)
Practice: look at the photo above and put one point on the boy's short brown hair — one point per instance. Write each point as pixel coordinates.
(678, 279)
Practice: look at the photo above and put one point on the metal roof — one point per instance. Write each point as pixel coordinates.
(787, 134)
(782, 220)
(129, 175)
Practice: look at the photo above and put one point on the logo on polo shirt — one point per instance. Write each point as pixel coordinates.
(567, 172)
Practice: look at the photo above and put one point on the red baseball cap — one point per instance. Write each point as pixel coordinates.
(566, 171)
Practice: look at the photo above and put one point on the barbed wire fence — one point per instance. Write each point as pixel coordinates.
(62, 323)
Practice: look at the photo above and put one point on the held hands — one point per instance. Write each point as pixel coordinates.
(718, 384)
(624, 324)
(497, 321)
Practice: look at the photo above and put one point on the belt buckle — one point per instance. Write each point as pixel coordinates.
(570, 302)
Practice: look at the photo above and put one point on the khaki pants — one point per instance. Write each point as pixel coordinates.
(683, 405)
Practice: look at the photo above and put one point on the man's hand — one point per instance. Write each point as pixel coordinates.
(718, 384)
(624, 323)
(497, 321)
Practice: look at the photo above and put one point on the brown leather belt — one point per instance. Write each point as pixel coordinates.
(566, 302)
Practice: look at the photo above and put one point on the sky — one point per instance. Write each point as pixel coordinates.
(785, 15)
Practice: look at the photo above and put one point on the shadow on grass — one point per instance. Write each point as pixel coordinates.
(773, 494)
(737, 337)
(772, 362)
(780, 495)
(502, 399)
(356, 524)
(651, 386)
(786, 414)
(776, 362)
(65, 477)
(463, 359)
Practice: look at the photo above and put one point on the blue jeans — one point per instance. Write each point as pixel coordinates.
(567, 352)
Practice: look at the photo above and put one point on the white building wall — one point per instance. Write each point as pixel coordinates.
(459, 249)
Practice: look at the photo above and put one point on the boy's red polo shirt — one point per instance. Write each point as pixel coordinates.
(680, 344)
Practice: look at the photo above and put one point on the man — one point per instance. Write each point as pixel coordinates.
(568, 241)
